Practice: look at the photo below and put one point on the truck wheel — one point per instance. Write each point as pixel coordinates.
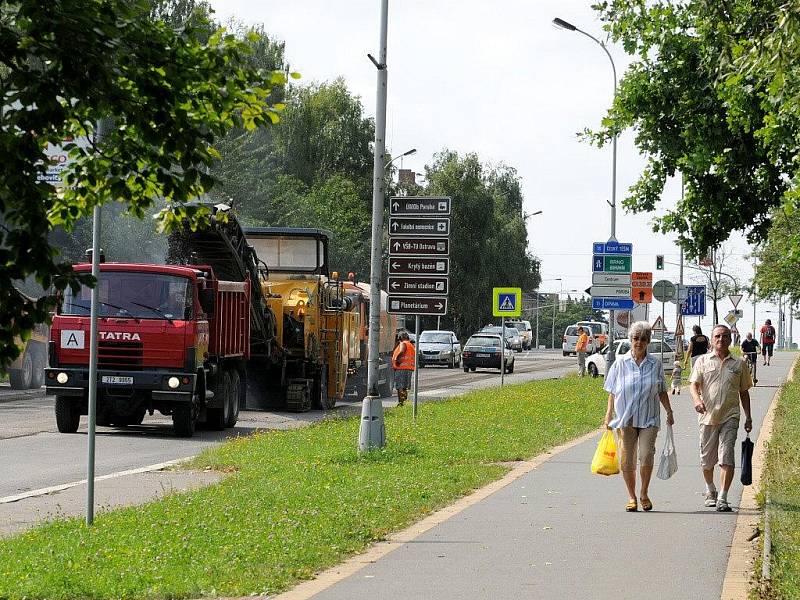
(234, 398)
(67, 415)
(184, 419)
(21, 379)
(218, 416)
(39, 364)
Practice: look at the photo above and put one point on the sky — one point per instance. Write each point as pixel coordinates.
(501, 81)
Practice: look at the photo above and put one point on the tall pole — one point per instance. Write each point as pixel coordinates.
(537, 319)
(378, 193)
(416, 370)
(102, 129)
(613, 237)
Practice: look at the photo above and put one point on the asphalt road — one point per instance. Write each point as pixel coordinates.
(36, 456)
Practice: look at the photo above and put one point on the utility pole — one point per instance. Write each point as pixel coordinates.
(372, 402)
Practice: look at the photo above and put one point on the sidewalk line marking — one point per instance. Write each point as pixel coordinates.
(736, 585)
(337, 573)
(65, 486)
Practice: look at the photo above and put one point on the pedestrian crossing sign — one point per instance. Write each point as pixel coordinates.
(507, 302)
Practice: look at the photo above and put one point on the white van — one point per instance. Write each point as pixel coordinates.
(570, 340)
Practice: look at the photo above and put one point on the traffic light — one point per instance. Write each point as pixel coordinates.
(659, 262)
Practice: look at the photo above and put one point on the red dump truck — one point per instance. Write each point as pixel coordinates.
(170, 338)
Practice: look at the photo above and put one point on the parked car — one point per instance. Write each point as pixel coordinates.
(599, 331)
(525, 332)
(570, 340)
(484, 351)
(438, 348)
(596, 363)
(512, 335)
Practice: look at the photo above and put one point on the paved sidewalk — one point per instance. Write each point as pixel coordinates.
(560, 532)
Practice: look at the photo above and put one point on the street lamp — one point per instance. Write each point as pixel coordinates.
(406, 153)
(562, 24)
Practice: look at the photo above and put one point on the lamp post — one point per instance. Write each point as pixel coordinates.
(404, 154)
(562, 24)
(553, 332)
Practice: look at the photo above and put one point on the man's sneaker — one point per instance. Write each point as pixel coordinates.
(723, 506)
(711, 499)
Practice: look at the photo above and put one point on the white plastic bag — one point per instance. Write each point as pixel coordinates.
(669, 459)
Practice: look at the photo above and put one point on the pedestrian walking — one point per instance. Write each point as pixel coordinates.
(635, 385)
(580, 349)
(677, 371)
(767, 341)
(403, 359)
(698, 344)
(720, 382)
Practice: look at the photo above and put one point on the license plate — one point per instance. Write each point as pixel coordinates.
(117, 380)
(484, 355)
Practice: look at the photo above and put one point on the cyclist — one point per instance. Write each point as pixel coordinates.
(750, 352)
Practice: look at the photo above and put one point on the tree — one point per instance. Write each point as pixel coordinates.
(488, 246)
(718, 283)
(698, 110)
(65, 66)
(775, 274)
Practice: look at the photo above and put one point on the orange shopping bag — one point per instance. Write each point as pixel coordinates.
(606, 460)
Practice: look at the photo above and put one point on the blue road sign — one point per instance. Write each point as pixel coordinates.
(618, 248)
(612, 248)
(597, 263)
(507, 302)
(695, 304)
(612, 304)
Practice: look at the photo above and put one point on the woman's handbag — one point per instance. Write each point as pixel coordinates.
(669, 459)
(606, 460)
(747, 461)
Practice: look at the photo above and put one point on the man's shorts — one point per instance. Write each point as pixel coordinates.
(718, 444)
(402, 379)
(637, 440)
(766, 349)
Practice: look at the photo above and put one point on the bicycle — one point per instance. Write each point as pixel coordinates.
(752, 364)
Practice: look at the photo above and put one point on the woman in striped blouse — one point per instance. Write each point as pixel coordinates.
(635, 385)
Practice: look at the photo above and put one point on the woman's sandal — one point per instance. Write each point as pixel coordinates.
(631, 506)
(647, 504)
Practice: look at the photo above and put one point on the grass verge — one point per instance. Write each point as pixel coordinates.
(298, 501)
(782, 484)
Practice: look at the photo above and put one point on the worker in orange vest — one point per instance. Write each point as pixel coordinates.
(403, 365)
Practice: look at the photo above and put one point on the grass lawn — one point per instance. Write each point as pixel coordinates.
(298, 501)
(783, 487)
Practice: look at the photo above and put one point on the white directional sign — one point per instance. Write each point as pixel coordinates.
(611, 278)
(419, 246)
(412, 265)
(610, 291)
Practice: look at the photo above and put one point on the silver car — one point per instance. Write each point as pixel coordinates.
(438, 348)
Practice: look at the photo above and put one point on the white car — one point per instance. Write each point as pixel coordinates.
(438, 348)
(525, 332)
(596, 363)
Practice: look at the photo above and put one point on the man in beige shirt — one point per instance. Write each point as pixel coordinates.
(719, 382)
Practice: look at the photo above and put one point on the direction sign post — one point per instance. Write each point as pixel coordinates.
(695, 303)
(663, 291)
(506, 302)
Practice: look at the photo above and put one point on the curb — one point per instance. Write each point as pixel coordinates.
(739, 573)
(20, 394)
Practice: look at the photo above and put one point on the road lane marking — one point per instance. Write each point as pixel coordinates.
(65, 486)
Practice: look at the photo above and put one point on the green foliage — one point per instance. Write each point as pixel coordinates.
(777, 270)
(171, 93)
(489, 243)
(782, 485)
(697, 110)
(298, 501)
